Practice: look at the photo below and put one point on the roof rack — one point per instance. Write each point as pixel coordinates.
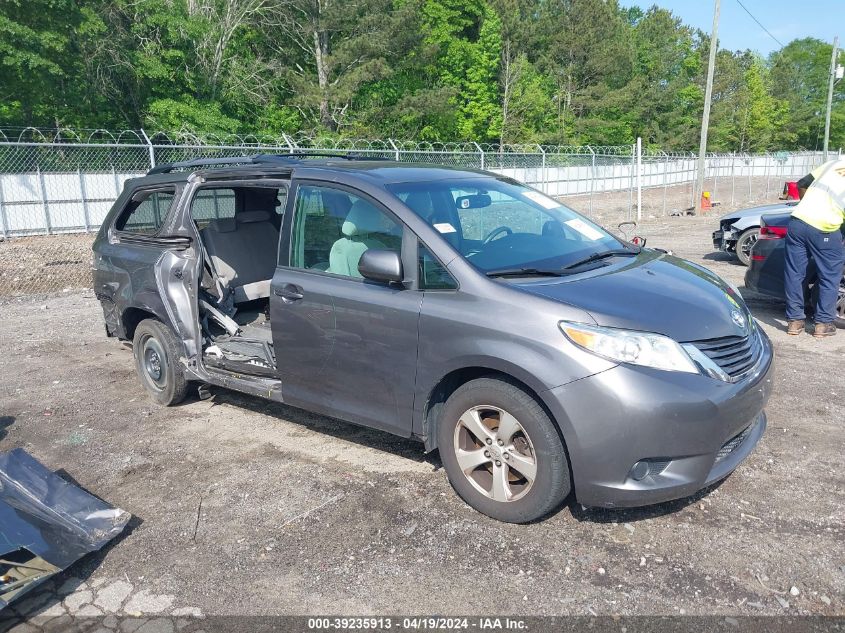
(258, 159)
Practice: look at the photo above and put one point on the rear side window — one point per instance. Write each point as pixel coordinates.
(212, 204)
(145, 212)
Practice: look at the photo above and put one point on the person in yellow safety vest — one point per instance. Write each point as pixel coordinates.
(815, 231)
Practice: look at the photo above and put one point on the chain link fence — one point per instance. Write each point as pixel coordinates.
(56, 187)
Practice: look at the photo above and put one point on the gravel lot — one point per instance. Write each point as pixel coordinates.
(248, 507)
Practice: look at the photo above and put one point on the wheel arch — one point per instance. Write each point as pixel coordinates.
(747, 222)
(449, 383)
(132, 316)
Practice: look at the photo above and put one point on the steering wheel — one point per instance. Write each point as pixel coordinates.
(495, 232)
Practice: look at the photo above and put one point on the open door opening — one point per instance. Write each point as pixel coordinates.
(239, 229)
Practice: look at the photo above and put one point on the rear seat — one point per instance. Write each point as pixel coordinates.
(243, 251)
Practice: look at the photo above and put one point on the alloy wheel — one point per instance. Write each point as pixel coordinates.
(495, 454)
(746, 244)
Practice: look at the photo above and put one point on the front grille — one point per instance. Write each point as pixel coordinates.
(734, 355)
(731, 445)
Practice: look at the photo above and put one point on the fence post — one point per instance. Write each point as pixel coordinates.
(480, 153)
(733, 177)
(288, 143)
(150, 149)
(44, 203)
(3, 221)
(639, 179)
(631, 180)
(693, 202)
(592, 177)
(116, 182)
(665, 178)
(718, 162)
(768, 160)
(84, 195)
(750, 174)
(395, 149)
(543, 169)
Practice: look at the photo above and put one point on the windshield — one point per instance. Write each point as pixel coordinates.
(498, 225)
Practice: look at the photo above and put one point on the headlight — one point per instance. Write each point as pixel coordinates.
(624, 346)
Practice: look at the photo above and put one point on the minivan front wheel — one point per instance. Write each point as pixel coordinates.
(502, 453)
(156, 352)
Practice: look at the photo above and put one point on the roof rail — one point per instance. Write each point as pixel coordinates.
(166, 168)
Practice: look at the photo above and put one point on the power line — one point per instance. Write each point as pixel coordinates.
(739, 2)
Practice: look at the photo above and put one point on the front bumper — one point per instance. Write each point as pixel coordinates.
(695, 428)
(724, 239)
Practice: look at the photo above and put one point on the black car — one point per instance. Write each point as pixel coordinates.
(765, 270)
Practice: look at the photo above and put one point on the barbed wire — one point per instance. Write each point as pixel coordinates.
(304, 140)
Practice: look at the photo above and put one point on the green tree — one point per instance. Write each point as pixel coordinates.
(38, 61)
(467, 36)
(799, 76)
(507, 71)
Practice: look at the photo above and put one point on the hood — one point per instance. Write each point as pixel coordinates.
(653, 292)
(780, 207)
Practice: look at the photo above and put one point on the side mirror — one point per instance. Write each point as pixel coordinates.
(638, 240)
(381, 265)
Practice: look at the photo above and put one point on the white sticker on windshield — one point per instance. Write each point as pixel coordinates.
(584, 229)
(445, 227)
(539, 198)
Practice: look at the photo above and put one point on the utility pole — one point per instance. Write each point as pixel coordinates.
(708, 95)
(831, 81)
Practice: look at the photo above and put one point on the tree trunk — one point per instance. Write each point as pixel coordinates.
(321, 51)
(506, 89)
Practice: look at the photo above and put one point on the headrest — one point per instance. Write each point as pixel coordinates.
(223, 225)
(336, 204)
(245, 217)
(363, 218)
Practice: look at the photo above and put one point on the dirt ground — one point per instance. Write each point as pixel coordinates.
(248, 507)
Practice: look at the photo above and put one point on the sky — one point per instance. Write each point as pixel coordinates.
(785, 19)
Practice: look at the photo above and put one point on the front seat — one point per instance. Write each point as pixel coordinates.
(422, 204)
(362, 222)
(244, 251)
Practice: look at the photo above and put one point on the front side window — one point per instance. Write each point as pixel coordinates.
(497, 224)
(145, 212)
(333, 228)
(432, 274)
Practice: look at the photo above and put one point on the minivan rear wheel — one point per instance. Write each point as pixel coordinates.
(502, 453)
(156, 352)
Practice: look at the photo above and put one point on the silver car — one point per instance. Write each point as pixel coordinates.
(738, 231)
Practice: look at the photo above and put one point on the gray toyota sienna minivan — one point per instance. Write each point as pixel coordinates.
(540, 354)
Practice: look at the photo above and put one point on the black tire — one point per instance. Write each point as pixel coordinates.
(156, 352)
(744, 243)
(812, 297)
(538, 441)
(840, 307)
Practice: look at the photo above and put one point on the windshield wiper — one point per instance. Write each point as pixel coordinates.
(603, 255)
(525, 272)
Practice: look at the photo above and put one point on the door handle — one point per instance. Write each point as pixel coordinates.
(289, 292)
